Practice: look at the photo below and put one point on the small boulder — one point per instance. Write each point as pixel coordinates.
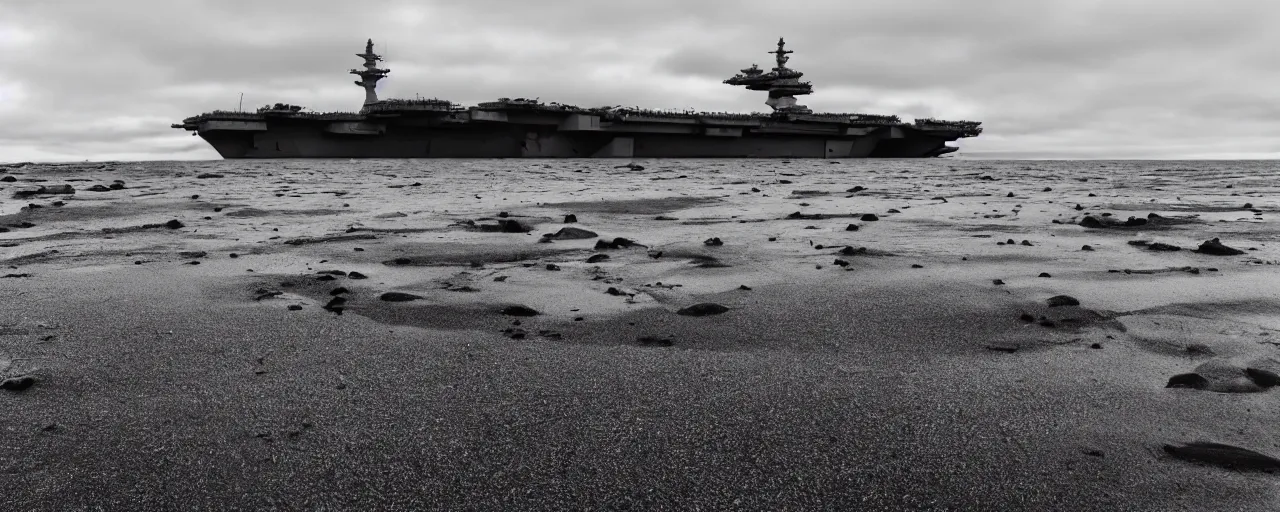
(208, 175)
(572, 233)
(596, 258)
(1188, 380)
(1263, 378)
(519, 310)
(570, 218)
(1217, 248)
(1062, 300)
(17, 383)
(398, 297)
(870, 217)
(1161, 246)
(703, 309)
(99, 188)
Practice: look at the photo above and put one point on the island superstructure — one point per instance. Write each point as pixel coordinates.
(515, 128)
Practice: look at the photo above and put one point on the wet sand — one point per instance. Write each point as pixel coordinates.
(900, 377)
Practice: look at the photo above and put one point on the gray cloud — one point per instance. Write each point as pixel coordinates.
(1049, 78)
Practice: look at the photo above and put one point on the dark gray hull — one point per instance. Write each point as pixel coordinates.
(503, 140)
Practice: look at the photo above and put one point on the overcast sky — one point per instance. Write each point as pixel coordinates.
(97, 79)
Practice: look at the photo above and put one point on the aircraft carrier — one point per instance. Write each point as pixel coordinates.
(525, 128)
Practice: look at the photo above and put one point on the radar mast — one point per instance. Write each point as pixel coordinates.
(782, 83)
(370, 75)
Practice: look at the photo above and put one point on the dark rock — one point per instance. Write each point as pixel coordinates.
(174, 224)
(1027, 243)
(553, 267)
(1187, 380)
(334, 303)
(804, 216)
(1096, 346)
(398, 297)
(573, 234)
(356, 275)
(1161, 246)
(1092, 222)
(512, 226)
(1199, 349)
(744, 288)
(99, 188)
(1048, 189)
(858, 188)
(841, 263)
(713, 242)
(519, 310)
(1248, 206)
(503, 214)
(18, 383)
(192, 254)
(615, 292)
(116, 185)
(703, 309)
(1086, 248)
(208, 175)
(1224, 455)
(1263, 378)
(654, 341)
(197, 196)
(596, 258)
(851, 227)
(1062, 300)
(916, 265)
(997, 282)
(8, 179)
(773, 239)
(664, 217)
(1009, 194)
(1027, 317)
(339, 291)
(43, 190)
(295, 307)
(570, 218)
(1044, 274)
(1216, 248)
(332, 273)
(616, 243)
(870, 217)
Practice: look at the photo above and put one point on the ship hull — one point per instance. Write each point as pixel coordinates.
(312, 140)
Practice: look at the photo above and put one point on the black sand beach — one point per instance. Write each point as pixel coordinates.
(941, 368)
